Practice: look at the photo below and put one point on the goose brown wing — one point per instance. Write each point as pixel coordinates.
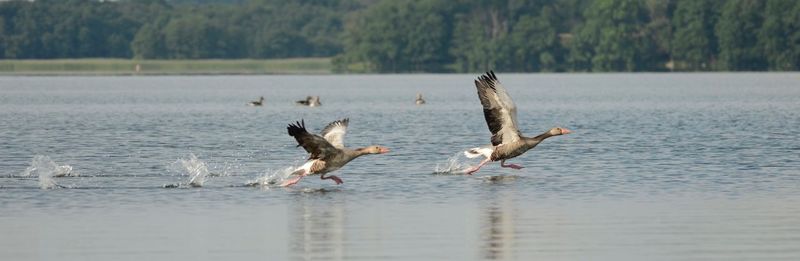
(498, 109)
(318, 147)
(335, 131)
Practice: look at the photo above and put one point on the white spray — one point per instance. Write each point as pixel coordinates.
(196, 169)
(272, 177)
(45, 168)
(454, 164)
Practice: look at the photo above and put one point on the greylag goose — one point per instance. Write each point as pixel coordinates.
(327, 150)
(419, 100)
(501, 116)
(311, 101)
(259, 102)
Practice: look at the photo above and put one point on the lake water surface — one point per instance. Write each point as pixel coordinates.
(659, 167)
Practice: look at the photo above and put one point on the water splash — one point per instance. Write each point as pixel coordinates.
(46, 169)
(196, 169)
(271, 178)
(457, 164)
(225, 169)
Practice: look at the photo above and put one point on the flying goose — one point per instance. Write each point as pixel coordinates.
(501, 116)
(327, 150)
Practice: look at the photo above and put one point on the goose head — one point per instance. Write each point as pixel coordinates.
(559, 131)
(374, 149)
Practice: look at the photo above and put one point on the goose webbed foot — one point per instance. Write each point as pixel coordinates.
(513, 166)
(334, 178)
(474, 169)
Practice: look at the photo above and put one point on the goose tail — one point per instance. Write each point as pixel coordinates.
(477, 152)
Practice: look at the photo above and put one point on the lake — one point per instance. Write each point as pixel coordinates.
(658, 167)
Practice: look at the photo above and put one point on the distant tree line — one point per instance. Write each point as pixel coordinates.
(418, 36)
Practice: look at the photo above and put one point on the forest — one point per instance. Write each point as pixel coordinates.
(391, 36)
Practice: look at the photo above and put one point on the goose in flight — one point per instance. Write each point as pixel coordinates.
(326, 151)
(501, 116)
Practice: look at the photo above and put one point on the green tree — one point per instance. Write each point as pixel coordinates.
(779, 36)
(693, 42)
(416, 36)
(193, 37)
(382, 38)
(475, 44)
(612, 38)
(149, 43)
(534, 41)
(505, 35)
(737, 31)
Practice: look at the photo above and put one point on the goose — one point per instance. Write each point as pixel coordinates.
(259, 102)
(310, 101)
(327, 150)
(501, 116)
(419, 100)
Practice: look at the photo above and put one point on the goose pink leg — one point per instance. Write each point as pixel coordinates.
(474, 169)
(291, 181)
(334, 178)
(300, 174)
(513, 166)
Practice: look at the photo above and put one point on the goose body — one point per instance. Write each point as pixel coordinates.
(327, 152)
(500, 113)
(259, 102)
(419, 100)
(310, 101)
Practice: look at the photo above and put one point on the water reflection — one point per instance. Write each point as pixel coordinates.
(317, 228)
(498, 228)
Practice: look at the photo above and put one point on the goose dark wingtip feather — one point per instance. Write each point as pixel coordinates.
(296, 128)
(488, 79)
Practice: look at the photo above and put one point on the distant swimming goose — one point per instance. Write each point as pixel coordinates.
(501, 116)
(419, 99)
(327, 151)
(311, 101)
(259, 102)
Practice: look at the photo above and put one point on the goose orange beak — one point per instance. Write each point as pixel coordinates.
(383, 150)
(565, 131)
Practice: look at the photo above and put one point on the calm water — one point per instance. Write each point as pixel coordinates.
(660, 167)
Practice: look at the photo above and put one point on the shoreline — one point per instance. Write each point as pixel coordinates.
(131, 67)
(220, 67)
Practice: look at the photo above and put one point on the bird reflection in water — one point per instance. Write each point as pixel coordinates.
(498, 231)
(317, 229)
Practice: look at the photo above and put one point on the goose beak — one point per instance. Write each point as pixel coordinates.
(565, 131)
(383, 150)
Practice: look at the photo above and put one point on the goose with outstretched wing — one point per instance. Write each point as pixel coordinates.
(501, 116)
(327, 152)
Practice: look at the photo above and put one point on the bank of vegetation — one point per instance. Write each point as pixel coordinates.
(120, 66)
(418, 35)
